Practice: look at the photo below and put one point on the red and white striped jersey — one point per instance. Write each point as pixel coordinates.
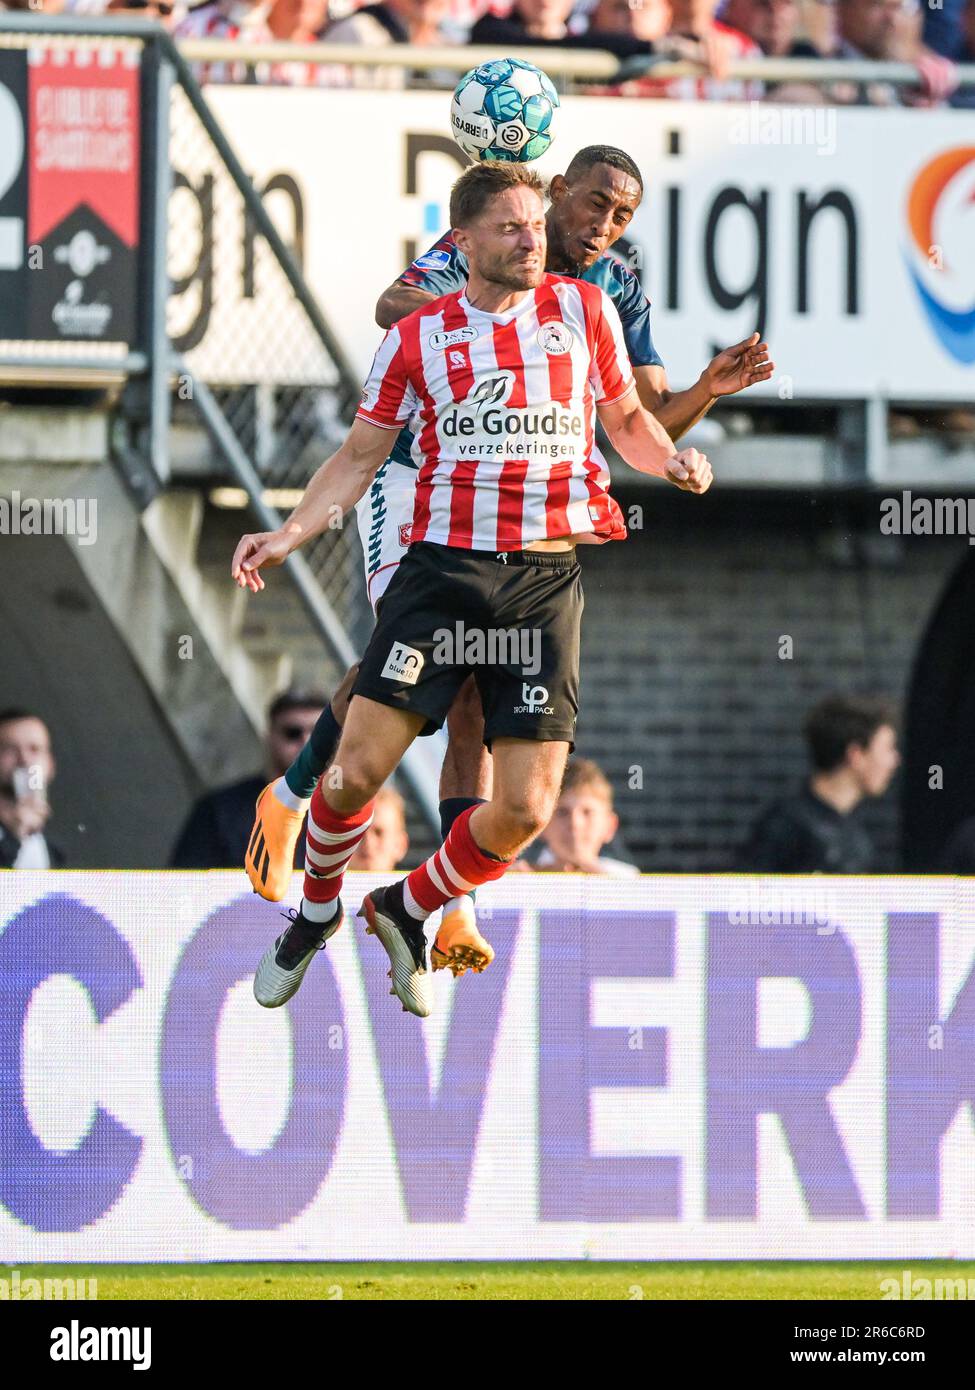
(503, 408)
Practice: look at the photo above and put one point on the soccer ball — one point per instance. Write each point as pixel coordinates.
(504, 110)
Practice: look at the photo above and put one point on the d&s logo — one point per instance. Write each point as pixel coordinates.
(941, 220)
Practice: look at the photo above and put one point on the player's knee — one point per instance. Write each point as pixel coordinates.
(353, 779)
(525, 817)
(358, 788)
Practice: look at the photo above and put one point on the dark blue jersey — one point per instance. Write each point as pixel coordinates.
(443, 269)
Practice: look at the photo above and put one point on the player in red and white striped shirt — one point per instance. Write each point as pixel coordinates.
(505, 413)
(503, 383)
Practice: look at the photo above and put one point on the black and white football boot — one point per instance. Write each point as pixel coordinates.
(283, 965)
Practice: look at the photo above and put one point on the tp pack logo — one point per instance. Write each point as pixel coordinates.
(941, 217)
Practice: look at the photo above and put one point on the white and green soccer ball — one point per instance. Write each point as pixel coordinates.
(504, 110)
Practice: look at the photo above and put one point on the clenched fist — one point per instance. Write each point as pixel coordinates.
(690, 471)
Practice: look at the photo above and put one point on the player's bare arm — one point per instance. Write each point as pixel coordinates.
(735, 369)
(397, 301)
(641, 442)
(337, 486)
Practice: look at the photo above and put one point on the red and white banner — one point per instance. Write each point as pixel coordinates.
(69, 127)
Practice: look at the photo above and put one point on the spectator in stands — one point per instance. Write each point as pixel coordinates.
(385, 844)
(721, 43)
(852, 743)
(614, 26)
(535, 19)
(869, 28)
(391, 21)
(298, 21)
(26, 772)
(156, 11)
(226, 19)
(908, 28)
(966, 54)
(774, 25)
(641, 26)
(301, 21)
(691, 32)
(216, 832)
(890, 30)
(375, 26)
(582, 825)
(818, 23)
(944, 28)
(647, 20)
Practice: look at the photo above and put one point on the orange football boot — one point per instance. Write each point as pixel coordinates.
(459, 945)
(270, 856)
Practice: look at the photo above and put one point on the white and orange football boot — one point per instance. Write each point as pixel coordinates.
(459, 946)
(270, 855)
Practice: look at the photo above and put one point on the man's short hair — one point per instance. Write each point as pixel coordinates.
(480, 183)
(290, 700)
(582, 774)
(839, 720)
(592, 155)
(11, 714)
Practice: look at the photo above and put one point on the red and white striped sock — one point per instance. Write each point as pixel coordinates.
(332, 839)
(458, 866)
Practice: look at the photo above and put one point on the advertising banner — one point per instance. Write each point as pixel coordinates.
(69, 193)
(843, 235)
(661, 1068)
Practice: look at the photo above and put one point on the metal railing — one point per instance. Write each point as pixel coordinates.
(264, 428)
(583, 65)
(562, 63)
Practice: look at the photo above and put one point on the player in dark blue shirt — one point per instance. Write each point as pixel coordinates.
(592, 204)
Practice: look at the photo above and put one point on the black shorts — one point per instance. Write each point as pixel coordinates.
(512, 620)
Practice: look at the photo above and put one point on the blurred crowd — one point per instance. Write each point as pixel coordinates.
(935, 38)
(817, 827)
(219, 824)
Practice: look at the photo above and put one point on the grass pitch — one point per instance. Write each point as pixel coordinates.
(536, 1282)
